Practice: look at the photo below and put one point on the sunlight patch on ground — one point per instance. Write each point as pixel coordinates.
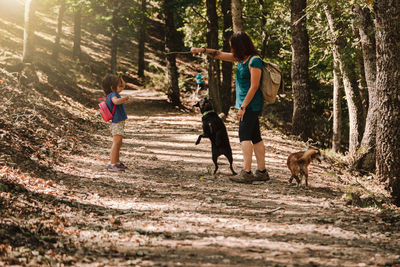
(94, 49)
(52, 23)
(173, 156)
(168, 137)
(195, 125)
(12, 38)
(45, 36)
(146, 95)
(257, 245)
(12, 4)
(169, 144)
(10, 24)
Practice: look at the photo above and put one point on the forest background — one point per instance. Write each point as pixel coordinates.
(328, 51)
(339, 60)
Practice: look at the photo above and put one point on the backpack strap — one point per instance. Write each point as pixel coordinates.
(113, 106)
(105, 99)
(113, 109)
(252, 58)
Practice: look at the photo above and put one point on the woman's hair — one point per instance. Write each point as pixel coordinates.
(242, 46)
(110, 83)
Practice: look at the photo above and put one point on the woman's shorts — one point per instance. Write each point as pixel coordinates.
(118, 128)
(249, 127)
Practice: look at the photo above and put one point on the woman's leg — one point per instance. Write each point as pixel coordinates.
(247, 151)
(115, 148)
(259, 151)
(247, 130)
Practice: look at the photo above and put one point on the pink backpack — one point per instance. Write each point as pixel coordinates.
(104, 111)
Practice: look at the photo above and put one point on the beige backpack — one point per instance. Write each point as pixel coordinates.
(271, 80)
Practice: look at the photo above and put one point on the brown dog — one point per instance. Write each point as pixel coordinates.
(298, 164)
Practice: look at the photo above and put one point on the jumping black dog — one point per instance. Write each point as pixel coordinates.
(214, 129)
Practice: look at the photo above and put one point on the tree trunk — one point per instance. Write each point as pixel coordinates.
(76, 53)
(388, 88)
(366, 156)
(337, 106)
(29, 31)
(172, 70)
(263, 10)
(237, 16)
(142, 41)
(227, 91)
(356, 115)
(114, 40)
(214, 72)
(57, 46)
(302, 112)
(359, 63)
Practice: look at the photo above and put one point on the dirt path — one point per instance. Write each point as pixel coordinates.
(168, 210)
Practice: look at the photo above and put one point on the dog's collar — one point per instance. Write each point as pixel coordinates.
(208, 112)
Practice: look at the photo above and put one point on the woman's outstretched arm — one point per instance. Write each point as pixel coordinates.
(225, 56)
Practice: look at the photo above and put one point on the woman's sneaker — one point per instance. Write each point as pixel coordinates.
(115, 168)
(243, 177)
(261, 176)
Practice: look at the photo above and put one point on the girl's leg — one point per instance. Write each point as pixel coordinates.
(259, 151)
(115, 148)
(247, 151)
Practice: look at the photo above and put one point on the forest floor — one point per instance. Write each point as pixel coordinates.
(168, 209)
(60, 206)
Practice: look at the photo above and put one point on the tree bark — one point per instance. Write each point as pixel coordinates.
(302, 119)
(366, 155)
(29, 31)
(114, 40)
(142, 41)
(388, 88)
(227, 91)
(76, 52)
(356, 115)
(337, 106)
(263, 10)
(237, 16)
(214, 72)
(359, 64)
(60, 18)
(172, 71)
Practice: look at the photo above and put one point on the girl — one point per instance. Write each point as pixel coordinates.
(112, 86)
(249, 102)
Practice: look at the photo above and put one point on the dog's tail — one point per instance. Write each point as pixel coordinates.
(307, 156)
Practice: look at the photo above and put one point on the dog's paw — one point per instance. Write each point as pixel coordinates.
(197, 142)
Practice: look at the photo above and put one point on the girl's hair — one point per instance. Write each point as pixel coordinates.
(242, 46)
(110, 83)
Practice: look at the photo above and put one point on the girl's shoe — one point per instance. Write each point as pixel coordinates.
(122, 165)
(115, 168)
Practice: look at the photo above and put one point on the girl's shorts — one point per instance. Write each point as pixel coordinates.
(118, 128)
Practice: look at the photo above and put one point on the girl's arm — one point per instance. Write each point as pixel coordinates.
(225, 56)
(119, 101)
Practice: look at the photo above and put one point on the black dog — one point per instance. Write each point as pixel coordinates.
(214, 129)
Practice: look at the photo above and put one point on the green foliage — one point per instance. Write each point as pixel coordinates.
(127, 13)
(194, 27)
(278, 47)
(191, 22)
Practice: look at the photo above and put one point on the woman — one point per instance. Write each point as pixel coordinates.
(249, 102)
